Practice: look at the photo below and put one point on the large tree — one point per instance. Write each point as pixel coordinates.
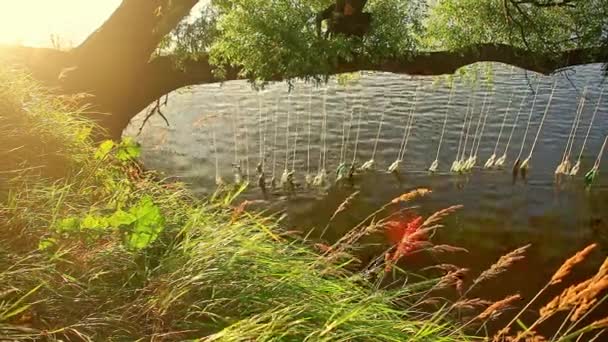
(148, 48)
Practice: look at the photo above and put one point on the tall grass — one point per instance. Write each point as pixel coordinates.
(92, 248)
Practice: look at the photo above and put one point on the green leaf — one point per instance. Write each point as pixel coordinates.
(148, 224)
(121, 218)
(103, 149)
(128, 149)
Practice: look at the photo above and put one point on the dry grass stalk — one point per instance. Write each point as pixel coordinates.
(589, 297)
(502, 264)
(439, 215)
(453, 278)
(582, 297)
(447, 249)
(497, 308)
(602, 323)
(344, 205)
(501, 335)
(408, 196)
(565, 300)
(567, 266)
(471, 304)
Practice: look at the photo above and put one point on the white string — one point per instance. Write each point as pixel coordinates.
(357, 136)
(217, 162)
(407, 128)
(464, 124)
(309, 130)
(246, 130)
(483, 126)
(578, 122)
(324, 130)
(350, 126)
(445, 121)
(276, 135)
(481, 114)
(287, 131)
(597, 107)
(344, 124)
(542, 120)
(515, 121)
(577, 115)
(411, 123)
(379, 127)
(504, 121)
(295, 142)
(598, 160)
(466, 137)
(523, 142)
(260, 125)
(236, 145)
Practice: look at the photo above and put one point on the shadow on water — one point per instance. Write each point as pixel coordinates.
(501, 212)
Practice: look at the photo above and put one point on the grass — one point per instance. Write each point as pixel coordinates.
(92, 248)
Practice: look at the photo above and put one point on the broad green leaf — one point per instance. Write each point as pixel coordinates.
(148, 224)
(128, 149)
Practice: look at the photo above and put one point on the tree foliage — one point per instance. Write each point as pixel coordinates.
(271, 39)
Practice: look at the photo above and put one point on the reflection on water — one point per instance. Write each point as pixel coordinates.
(214, 126)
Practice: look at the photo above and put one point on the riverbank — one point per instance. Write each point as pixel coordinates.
(92, 247)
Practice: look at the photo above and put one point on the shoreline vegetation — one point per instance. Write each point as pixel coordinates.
(93, 248)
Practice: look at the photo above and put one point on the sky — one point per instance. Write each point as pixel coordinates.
(33, 22)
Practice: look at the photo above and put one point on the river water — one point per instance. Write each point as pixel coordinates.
(499, 214)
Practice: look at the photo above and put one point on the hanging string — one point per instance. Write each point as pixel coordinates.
(435, 163)
(295, 141)
(456, 163)
(466, 137)
(525, 163)
(236, 144)
(309, 132)
(287, 131)
(350, 125)
(408, 126)
(320, 179)
(564, 165)
(218, 179)
(500, 161)
(324, 128)
(578, 122)
(341, 170)
(246, 131)
(523, 142)
(492, 160)
(344, 124)
(577, 165)
(262, 140)
(308, 177)
(590, 176)
(275, 144)
(597, 107)
(483, 126)
(504, 121)
(379, 127)
(357, 136)
(481, 116)
(411, 122)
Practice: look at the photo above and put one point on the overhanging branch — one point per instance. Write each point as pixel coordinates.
(162, 70)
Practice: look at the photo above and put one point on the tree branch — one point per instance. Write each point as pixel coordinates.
(162, 70)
